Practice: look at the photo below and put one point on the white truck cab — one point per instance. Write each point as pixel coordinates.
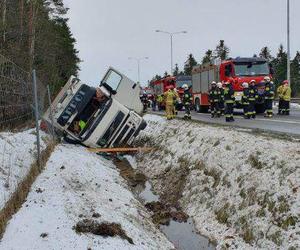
(106, 116)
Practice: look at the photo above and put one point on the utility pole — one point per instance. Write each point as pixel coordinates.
(138, 60)
(288, 44)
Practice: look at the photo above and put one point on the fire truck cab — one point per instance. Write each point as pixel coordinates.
(236, 71)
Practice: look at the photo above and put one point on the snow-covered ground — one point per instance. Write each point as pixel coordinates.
(241, 189)
(17, 153)
(77, 185)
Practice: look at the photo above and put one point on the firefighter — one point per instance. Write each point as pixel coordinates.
(280, 96)
(221, 101)
(214, 98)
(253, 97)
(245, 101)
(170, 97)
(144, 99)
(154, 102)
(229, 101)
(286, 97)
(187, 101)
(269, 97)
(176, 100)
(160, 100)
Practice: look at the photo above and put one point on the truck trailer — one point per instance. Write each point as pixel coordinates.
(105, 116)
(237, 71)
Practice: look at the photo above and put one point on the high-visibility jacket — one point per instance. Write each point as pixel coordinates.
(82, 124)
(253, 93)
(269, 91)
(221, 94)
(245, 96)
(229, 94)
(187, 97)
(214, 95)
(159, 98)
(286, 93)
(170, 97)
(279, 91)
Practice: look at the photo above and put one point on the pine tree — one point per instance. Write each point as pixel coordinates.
(208, 58)
(295, 74)
(280, 66)
(176, 70)
(37, 36)
(266, 53)
(189, 64)
(222, 51)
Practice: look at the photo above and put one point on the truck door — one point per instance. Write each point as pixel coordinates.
(124, 90)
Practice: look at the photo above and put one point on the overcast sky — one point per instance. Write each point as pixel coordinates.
(110, 31)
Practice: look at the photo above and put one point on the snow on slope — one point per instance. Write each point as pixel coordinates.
(17, 153)
(75, 185)
(241, 189)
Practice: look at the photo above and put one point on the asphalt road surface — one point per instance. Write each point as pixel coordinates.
(279, 124)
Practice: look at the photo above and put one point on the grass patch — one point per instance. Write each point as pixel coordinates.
(217, 143)
(214, 173)
(255, 162)
(222, 215)
(103, 229)
(276, 238)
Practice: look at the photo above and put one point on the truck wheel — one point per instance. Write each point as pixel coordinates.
(260, 108)
(197, 106)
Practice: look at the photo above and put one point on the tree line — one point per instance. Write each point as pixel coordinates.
(34, 34)
(221, 52)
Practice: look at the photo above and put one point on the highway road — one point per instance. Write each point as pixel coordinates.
(278, 124)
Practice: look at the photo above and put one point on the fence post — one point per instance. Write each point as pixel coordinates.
(36, 105)
(51, 114)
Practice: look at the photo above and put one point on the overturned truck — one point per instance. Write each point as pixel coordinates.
(104, 116)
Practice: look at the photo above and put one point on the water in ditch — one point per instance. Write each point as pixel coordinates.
(181, 233)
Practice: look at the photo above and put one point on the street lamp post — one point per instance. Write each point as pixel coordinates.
(138, 60)
(288, 44)
(171, 39)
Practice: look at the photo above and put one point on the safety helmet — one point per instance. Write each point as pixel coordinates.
(185, 86)
(213, 83)
(267, 78)
(245, 85)
(285, 82)
(252, 81)
(220, 85)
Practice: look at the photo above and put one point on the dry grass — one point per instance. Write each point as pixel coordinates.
(18, 197)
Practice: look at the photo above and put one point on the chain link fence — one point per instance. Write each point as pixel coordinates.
(22, 144)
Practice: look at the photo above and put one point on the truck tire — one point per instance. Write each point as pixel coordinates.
(260, 108)
(197, 105)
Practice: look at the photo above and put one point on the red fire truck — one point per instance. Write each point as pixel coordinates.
(236, 71)
(160, 86)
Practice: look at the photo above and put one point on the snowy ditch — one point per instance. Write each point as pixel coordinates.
(175, 224)
(240, 189)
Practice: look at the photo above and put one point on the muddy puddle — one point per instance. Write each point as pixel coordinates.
(175, 224)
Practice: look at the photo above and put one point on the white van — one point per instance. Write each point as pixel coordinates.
(106, 116)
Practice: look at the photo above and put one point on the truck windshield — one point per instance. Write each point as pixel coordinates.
(251, 68)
